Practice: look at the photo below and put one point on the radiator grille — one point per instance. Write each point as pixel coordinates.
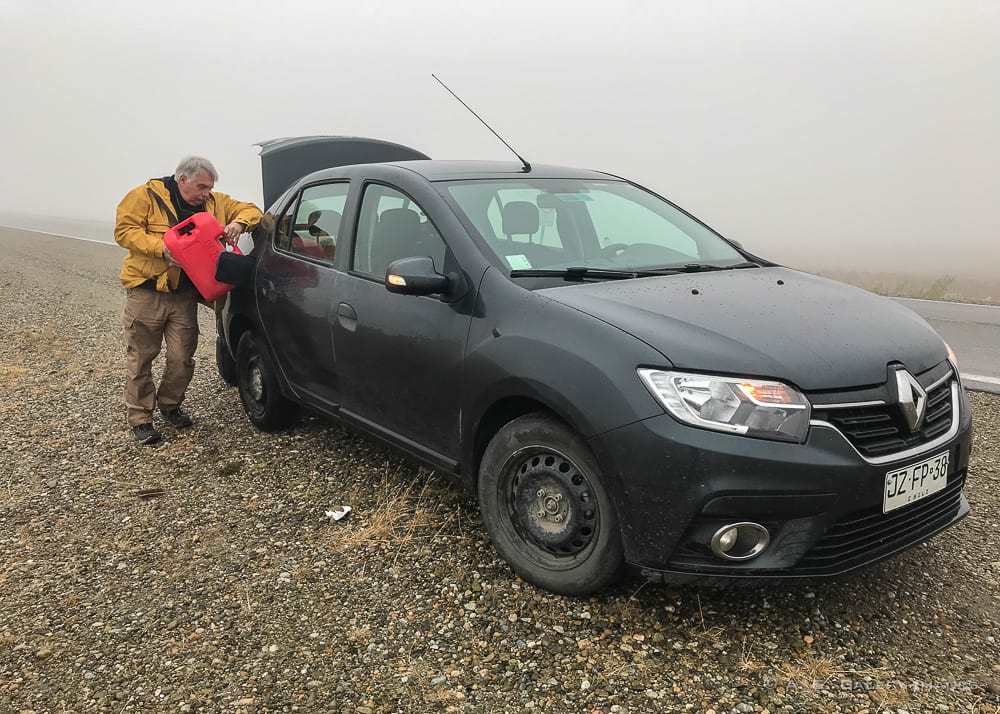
(881, 430)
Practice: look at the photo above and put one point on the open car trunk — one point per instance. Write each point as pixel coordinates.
(285, 161)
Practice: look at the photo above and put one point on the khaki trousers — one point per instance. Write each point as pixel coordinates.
(150, 319)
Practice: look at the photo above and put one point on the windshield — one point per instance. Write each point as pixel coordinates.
(560, 223)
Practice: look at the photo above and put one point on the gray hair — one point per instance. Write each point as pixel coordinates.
(191, 165)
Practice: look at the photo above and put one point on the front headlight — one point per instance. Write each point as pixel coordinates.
(751, 407)
(952, 357)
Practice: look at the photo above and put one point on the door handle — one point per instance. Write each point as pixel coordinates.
(347, 316)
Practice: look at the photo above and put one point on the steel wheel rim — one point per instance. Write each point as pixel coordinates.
(256, 385)
(549, 507)
(253, 385)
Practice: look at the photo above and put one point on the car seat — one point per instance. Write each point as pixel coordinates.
(319, 241)
(397, 235)
(519, 218)
(522, 218)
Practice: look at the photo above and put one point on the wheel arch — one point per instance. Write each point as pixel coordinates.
(238, 326)
(503, 409)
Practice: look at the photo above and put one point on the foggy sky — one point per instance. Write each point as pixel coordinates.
(826, 134)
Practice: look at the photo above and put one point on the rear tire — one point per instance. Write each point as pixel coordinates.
(546, 507)
(225, 363)
(267, 408)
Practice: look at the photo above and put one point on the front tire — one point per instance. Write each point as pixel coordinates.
(547, 510)
(260, 392)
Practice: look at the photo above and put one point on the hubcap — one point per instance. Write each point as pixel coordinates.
(551, 503)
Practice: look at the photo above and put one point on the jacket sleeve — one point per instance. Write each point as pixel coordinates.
(130, 231)
(246, 213)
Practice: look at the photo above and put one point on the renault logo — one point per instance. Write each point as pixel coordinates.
(912, 399)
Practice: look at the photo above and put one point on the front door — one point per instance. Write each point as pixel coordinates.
(400, 357)
(296, 292)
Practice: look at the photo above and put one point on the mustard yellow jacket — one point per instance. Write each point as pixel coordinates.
(146, 213)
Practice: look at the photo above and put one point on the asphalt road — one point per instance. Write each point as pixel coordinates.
(973, 331)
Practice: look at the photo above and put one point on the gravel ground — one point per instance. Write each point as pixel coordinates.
(230, 590)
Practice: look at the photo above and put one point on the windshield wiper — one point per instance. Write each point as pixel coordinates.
(580, 272)
(704, 267)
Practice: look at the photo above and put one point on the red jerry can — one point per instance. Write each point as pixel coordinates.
(195, 246)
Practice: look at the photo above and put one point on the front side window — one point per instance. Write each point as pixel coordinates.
(391, 226)
(560, 223)
(313, 233)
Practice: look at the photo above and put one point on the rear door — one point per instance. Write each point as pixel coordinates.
(297, 288)
(400, 357)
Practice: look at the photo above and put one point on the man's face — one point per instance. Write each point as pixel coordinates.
(196, 189)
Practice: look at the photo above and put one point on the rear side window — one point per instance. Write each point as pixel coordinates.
(392, 226)
(313, 232)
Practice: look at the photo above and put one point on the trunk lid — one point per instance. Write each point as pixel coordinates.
(285, 161)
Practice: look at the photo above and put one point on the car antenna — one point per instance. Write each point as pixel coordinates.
(526, 167)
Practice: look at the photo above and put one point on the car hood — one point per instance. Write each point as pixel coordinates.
(768, 322)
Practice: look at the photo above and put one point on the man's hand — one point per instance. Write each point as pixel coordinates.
(166, 256)
(232, 232)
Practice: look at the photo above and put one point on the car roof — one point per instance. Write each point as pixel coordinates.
(435, 170)
(442, 170)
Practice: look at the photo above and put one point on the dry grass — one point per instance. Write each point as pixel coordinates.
(889, 698)
(702, 631)
(38, 350)
(810, 673)
(747, 661)
(927, 287)
(442, 696)
(45, 341)
(395, 514)
(10, 374)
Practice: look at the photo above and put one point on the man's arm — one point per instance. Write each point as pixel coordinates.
(239, 216)
(239, 212)
(130, 230)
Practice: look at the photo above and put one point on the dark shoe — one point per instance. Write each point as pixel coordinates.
(177, 418)
(146, 434)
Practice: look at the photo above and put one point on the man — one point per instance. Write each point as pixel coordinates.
(161, 302)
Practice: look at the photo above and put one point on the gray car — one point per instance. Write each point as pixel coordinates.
(614, 382)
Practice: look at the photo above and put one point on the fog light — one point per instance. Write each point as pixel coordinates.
(728, 539)
(740, 541)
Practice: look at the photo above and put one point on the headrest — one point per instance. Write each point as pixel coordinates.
(399, 219)
(519, 217)
(330, 222)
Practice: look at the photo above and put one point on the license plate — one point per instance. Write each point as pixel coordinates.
(904, 486)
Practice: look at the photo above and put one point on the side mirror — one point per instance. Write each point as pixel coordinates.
(415, 276)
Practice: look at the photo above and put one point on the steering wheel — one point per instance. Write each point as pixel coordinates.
(651, 252)
(613, 250)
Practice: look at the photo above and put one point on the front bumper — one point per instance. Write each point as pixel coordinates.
(675, 485)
